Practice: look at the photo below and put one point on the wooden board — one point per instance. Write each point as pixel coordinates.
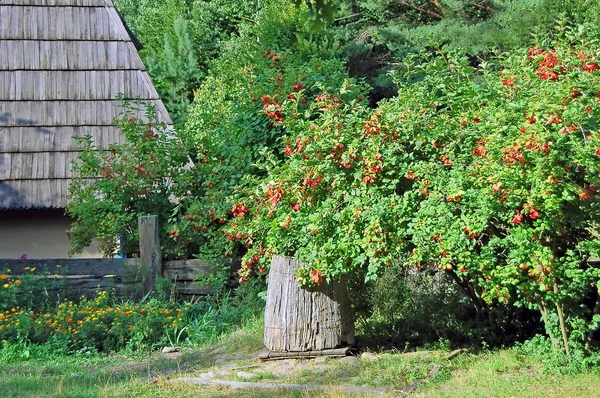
(267, 354)
(67, 113)
(81, 276)
(24, 19)
(187, 270)
(191, 288)
(34, 166)
(73, 266)
(39, 194)
(68, 55)
(60, 3)
(40, 85)
(56, 138)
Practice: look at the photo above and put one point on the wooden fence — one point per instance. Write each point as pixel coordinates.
(125, 276)
(130, 278)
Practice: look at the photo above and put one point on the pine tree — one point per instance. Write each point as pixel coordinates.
(176, 72)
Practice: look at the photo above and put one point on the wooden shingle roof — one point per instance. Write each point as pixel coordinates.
(62, 63)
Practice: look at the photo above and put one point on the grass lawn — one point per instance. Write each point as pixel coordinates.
(502, 373)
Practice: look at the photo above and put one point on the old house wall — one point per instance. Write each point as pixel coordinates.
(39, 234)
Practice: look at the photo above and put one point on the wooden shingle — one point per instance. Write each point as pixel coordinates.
(62, 63)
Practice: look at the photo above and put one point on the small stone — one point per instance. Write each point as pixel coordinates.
(170, 350)
(302, 366)
(283, 369)
(369, 356)
(245, 375)
(229, 366)
(207, 375)
(321, 359)
(320, 369)
(351, 360)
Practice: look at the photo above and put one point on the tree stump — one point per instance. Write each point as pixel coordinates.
(305, 319)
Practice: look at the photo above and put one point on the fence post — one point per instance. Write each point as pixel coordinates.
(150, 255)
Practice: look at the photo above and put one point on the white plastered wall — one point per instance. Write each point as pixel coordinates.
(39, 234)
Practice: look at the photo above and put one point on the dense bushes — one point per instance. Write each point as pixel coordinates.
(485, 170)
(141, 175)
(489, 175)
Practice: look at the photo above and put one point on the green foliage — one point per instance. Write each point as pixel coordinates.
(238, 110)
(140, 176)
(103, 324)
(379, 34)
(181, 38)
(541, 350)
(176, 72)
(489, 175)
(409, 309)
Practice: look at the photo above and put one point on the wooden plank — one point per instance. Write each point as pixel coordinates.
(187, 270)
(303, 319)
(40, 165)
(267, 354)
(150, 255)
(192, 288)
(40, 85)
(85, 285)
(67, 55)
(74, 266)
(65, 113)
(40, 194)
(56, 138)
(59, 3)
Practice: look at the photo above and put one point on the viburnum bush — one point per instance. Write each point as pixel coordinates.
(147, 173)
(489, 174)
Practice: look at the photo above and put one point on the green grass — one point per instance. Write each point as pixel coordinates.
(501, 373)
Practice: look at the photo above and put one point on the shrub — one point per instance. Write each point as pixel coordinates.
(242, 108)
(487, 174)
(145, 174)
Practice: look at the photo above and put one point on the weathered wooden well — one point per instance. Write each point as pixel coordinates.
(299, 319)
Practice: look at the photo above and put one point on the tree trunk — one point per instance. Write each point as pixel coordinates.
(305, 319)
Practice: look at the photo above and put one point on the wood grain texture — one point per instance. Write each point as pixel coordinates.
(126, 276)
(39, 194)
(62, 63)
(68, 23)
(82, 276)
(55, 138)
(64, 113)
(36, 166)
(187, 270)
(75, 85)
(67, 55)
(74, 266)
(59, 3)
(305, 319)
(150, 254)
